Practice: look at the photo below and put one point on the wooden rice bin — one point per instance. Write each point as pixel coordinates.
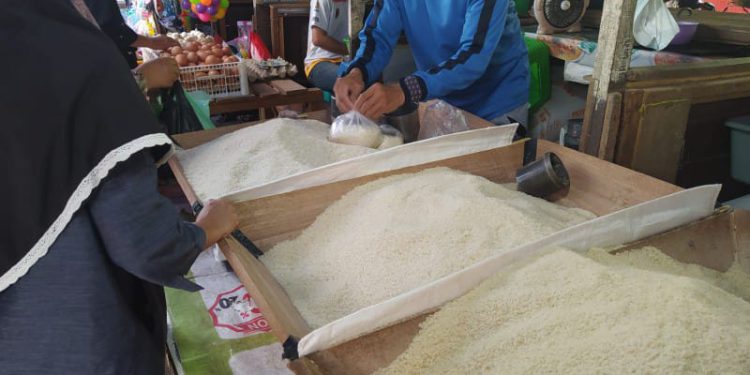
(596, 185)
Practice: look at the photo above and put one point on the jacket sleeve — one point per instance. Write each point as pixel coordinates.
(141, 230)
(483, 28)
(382, 29)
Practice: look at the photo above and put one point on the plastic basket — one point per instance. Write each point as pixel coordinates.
(217, 80)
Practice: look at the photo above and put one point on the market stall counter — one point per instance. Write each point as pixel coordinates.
(597, 186)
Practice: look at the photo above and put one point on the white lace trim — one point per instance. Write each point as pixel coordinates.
(80, 194)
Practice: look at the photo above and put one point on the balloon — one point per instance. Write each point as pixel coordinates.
(204, 17)
(220, 13)
(185, 4)
(224, 4)
(212, 10)
(206, 2)
(194, 8)
(201, 8)
(195, 1)
(215, 3)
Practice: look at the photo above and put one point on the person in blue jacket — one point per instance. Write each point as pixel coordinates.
(470, 53)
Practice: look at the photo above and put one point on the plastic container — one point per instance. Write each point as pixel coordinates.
(543, 177)
(740, 145)
(686, 33)
(540, 89)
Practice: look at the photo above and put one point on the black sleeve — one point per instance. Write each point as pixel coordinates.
(141, 230)
(108, 16)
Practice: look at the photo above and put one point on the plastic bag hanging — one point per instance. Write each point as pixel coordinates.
(654, 26)
(352, 128)
(178, 116)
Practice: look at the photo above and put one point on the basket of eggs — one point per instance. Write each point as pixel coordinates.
(210, 67)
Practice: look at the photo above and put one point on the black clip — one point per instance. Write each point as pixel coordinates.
(237, 234)
(290, 349)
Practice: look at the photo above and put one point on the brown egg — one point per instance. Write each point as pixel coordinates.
(202, 55)
(192, 56)
(226, 51)
(218, 54)
(205, 48)
(192, 64)
(192, 46)
(181, 59)
(232, 59)
(200, 74)
(211, 59)
(214, 72)
(176, 50)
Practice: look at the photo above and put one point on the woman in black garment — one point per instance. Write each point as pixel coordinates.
(86, 241)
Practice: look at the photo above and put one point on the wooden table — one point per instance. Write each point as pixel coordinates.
(313, 98)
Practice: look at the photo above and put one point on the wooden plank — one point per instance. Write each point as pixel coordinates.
(287, 86)
(602, 187)
(700, 91)
(628, 132)
(742, 238)
(271, 298)
(313, 97)
(263, 89)
(661, 137)
(262, 22)
(277, 40)
(707, 242)
(696, 70)
(614, 47)
(611, 126)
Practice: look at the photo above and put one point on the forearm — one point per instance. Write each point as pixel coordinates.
(141, 41)
(329, 44)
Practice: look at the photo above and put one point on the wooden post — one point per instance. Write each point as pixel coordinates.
(610, 72)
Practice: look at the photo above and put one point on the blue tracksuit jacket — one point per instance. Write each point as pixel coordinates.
(470, 53)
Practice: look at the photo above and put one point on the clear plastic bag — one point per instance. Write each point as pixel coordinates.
(391, 137)
(654, 26)
(441, 118)
(353, 128)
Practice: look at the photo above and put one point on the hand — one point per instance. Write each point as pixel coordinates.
(160, 73)
(347, 89)
(161, 42)
(217, 219)
(380, 99)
